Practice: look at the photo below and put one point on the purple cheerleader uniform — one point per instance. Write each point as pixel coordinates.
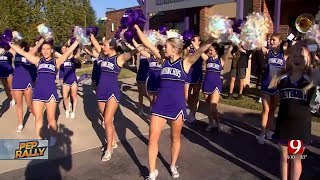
(69, 72)
(274, 65)
(212, 81)
(61, 72)
(142, 74)
(153, 81)
(23, 75)
(170, 102)
(195, 72)
(294, 116)
(45, 87)
(6, 68)
(108, 83)
(96, 71)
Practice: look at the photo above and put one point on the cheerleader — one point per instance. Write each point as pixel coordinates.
(151, 68)
(6, 71)
(270, 98)
(170, 103)
(45, 91)
(61, 70)
(108, 92)
(142, 75)
(193, 84)
(23, 79)
(294, 116)
(70, 82)
(212, 83)
(96, 58)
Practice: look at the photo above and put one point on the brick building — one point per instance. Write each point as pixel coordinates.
(193, 14)
(196, 18)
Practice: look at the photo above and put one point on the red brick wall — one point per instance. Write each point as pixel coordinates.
(203, 22)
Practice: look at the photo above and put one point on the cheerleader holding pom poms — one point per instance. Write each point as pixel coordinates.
(172, 80)
(45, 91)
(70, 80)
(6, 68)
(108, 91)
(294, 116)
(24, 76)
(212, 83)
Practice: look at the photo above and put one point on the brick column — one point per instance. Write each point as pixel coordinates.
(203, 22)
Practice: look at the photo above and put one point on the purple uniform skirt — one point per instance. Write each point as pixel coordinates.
(108, 87)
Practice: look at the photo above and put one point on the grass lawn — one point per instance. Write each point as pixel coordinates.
(248, 101)
(87, 69)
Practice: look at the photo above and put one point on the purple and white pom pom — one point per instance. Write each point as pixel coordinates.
(173, 33)
(80, 33)
(254, 30)
(16, 36)
(314, 33)
(152, 37)
(219, 27)
(234, 38)
(45, 32)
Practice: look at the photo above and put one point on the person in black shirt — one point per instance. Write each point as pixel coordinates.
(238, 68)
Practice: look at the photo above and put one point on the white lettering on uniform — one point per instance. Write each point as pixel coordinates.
(67, 64)
(24, 60)
(47, 66)
(107, 65)
(293, 93)
(276, 61)
(213, 65)
(3, 58)
(171, 71)
(155, 64)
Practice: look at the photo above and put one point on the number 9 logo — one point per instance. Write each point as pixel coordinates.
(295, 147)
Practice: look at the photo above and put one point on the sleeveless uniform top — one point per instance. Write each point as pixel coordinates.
(170, 102)
(46, 87)
(154, 65)
(6, 64)
(142, 73)
(212, 80)
(69, 66)
(108, 83)
(294, 117)
(195, 72)
(173, 75)
(24, 73)
(275, 63)
(6, 60)
(214, 68)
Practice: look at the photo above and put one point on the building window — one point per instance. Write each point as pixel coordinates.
(112, 27)
(195, 19)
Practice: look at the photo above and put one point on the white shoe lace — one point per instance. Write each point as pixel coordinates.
(153, 176)
(72, 115)
(67, 114)
(107, 156)
(19, 128)
(174, 171)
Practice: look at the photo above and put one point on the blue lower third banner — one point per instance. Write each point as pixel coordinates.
(23, 149)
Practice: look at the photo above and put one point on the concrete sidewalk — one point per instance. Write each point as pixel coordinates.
(85, 132)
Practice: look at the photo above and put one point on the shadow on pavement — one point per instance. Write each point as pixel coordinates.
(51, 169)
(5, 106)
(91, 110)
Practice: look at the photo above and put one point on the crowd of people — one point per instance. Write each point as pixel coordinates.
(174, 69)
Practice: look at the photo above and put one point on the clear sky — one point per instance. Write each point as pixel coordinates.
(100, 6)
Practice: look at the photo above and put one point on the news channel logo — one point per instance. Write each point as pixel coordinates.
(14, 149)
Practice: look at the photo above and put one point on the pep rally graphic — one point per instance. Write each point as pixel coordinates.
(29, 149)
